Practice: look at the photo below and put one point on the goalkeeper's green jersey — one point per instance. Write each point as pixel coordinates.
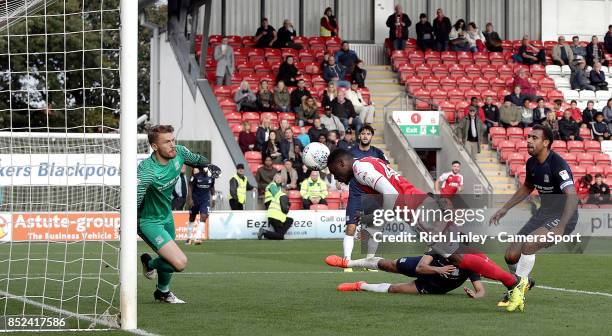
(156, 183)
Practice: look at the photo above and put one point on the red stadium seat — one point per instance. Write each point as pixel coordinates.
(575, 146)
(481, 83)
(448, 83)
(333, 200)
(570, 158)
(431, 82)
(584, 159)
(448, 57)
(319, 207)
(585, 133)
(592, 146)
(514, 133)
(602, 159)
(593, 169)
(578, 171)
(559, 145)
(464, 57)
(481, 58)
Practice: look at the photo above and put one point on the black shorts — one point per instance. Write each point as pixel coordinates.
(425, 284)
(198, 208)
(549, 222)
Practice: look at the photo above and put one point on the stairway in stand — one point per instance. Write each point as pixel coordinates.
(384, 85)
(495, 171)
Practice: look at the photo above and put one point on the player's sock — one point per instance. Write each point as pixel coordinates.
(161, 265)
(347, 245)
(189, 229)
(163, 281)
(512, 268)
(200, 230)
(369, 263)
(372, 247)
(378, 288)
(487, 268)
(525, 265)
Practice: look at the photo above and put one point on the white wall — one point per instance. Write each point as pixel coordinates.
(188, 114)
(584, 18)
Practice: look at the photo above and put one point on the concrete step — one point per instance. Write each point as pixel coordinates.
(500, 179)
(373, 67)
(382, 86)
(382, 81)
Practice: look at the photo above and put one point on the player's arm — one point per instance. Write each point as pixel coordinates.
(197, 160)
(424, 267)
(478, 292)
(522, 192)
(144, 177)
(460, 188)
(442, 178)
(571, 205)
(367, 175)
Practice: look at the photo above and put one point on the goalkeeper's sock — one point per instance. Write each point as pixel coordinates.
(161, 265)
(200, 230)
(163, 281)
(378, 288)
(189, 229)
(347, 245)
(369, 263)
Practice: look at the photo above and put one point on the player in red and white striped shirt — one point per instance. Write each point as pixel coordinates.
(452, 181)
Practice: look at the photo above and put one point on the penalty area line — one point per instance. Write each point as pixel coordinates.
(139, 332)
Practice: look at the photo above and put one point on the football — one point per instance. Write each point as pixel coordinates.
(315, 156)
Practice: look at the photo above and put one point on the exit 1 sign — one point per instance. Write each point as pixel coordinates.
(418, 123)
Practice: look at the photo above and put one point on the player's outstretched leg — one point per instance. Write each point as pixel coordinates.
(348, 242)
(368, 263)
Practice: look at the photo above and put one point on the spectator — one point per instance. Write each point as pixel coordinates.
(307, 112)
(562, 53)
(452, 181)
(282, 98)
(346, 57)
(521, 79)
(344, 110)
(441, 28)
(324, 64)
(323, 139)
(329, 95)
(576, 113)
(245, 98)
(265, 97)
(510, 115)
(359, 74)
(457, 37)
(365, 111)
(284, 125)
(332, 140)
(265, 174)
(475, 38)
(263, 133)
(530, 54)
(607, 111)
(277, 212)
(599, 192)
(239, 185)
(285, 36)
(317, 130)
(557, 108)
(579, 79)
(491, 112)
(516, 97)
(224, 56)
(568, 127)
(470, 132)
(272, 148)
(600, 128)
(552, 123)
(298, 94)
(584, 186)
(304, 137)
(332, 183)
(180, 192)
(595, 52)
(313, 191)
(335, 72)
(265, 35)
(577, 49)
(474, 104)
(288, 73)
(331, 122)
(329, 25)
(598, 78)
(289, 176)
(526, 113)
(608, 40)
(365, 147)
(424, 31)
(347, 142)
(493, 41)
(286, 145)
(398, 24)
(247, 140)
(588, 115)
(540, 112)
(298, 164)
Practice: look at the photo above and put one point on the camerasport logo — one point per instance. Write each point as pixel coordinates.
(5, 226)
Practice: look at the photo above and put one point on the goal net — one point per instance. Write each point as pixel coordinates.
(59, 164)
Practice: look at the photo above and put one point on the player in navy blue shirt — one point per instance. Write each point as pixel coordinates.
(365, 149)
(547, 172)
(434, 275)
(202, 187)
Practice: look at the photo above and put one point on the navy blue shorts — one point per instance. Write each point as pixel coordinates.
(424, 284)
(199, 208)
(549, 222)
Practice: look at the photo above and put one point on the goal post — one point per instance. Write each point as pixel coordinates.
(128, 131)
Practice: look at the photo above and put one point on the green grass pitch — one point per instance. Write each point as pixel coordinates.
(285, 288)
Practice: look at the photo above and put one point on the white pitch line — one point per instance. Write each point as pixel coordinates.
(559, 289)
(139, 332)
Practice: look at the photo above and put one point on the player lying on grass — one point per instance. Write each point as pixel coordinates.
(434, 275)
(374, 176)
(157, 176)
(550, 174)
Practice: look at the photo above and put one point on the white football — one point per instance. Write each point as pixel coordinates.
(315, 156)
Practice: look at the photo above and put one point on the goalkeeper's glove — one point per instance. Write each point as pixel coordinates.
(213, 171)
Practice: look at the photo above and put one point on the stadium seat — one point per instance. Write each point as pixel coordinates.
(592, 146)
(295, 200)
(578, 171)
(585, 133)
(514, 133)
(333, 200)
(602, 159)
(319, 207)
(575, 146)
(559, 146)
(448, 57)
(570, 158)
(583, 158)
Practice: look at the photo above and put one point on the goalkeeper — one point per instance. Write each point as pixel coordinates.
(157, 176)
